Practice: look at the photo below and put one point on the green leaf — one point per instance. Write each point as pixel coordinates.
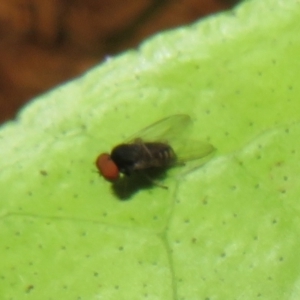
(226, 230)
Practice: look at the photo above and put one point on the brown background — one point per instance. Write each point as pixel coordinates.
(45, 42)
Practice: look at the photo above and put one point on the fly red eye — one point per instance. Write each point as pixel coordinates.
(107, 167)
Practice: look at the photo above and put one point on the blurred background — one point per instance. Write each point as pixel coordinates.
(46, 42)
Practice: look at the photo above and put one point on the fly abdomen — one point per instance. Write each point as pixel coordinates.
(158, 155)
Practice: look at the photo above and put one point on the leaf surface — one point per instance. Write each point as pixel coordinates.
(226, 230)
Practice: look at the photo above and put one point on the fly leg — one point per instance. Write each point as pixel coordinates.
(154, 182)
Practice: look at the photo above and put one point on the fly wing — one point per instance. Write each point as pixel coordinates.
(165, 130)
(188, 150)
(173, 130)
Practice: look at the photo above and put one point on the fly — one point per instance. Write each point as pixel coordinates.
(159, 146)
